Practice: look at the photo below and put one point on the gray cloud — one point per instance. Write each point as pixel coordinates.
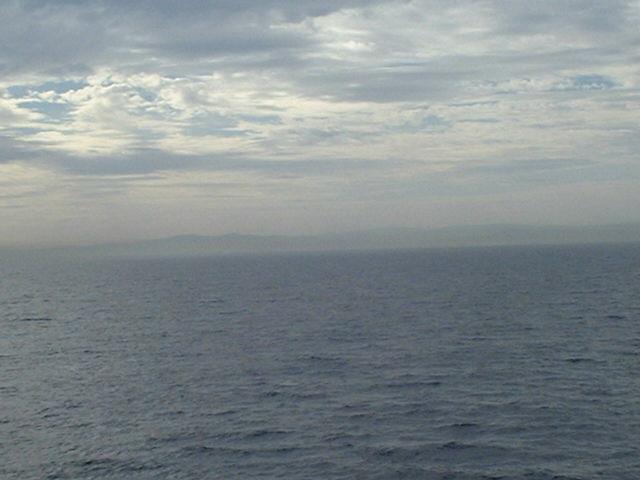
(151, 161)
(45, 37)
(50, 36)
(577, 16)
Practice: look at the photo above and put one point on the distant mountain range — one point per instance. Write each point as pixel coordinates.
(387, 238)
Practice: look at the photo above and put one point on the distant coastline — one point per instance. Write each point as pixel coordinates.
(375, 239)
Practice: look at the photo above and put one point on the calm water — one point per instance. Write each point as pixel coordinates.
(461, 364)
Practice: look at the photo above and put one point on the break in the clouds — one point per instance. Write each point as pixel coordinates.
(127, 119)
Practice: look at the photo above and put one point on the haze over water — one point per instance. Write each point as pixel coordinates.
(512, 363)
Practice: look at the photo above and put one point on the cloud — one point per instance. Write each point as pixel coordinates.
(343, 99)
(49, 37)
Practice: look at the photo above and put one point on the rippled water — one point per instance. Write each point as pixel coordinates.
(459, 364)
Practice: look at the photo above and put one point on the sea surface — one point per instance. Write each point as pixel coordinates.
(512, 363)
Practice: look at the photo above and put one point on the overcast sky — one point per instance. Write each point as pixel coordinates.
(123, 119)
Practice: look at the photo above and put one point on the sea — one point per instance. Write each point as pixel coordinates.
(469, 363)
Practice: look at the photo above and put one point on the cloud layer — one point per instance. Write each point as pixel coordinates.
(350, 110)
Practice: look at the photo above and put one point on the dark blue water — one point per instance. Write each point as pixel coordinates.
(460, 364)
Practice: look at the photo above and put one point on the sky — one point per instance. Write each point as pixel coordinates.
(124, 120)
